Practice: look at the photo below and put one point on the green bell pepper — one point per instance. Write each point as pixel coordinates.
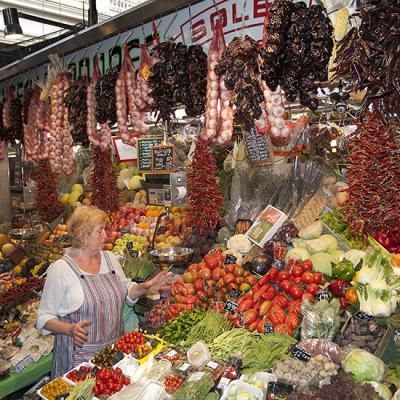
(343, 270)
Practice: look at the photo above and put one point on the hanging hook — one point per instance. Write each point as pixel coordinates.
(127, 38)
(216, 7)
(144, 34)
(190, 21)
(73, 56)
(170, 24)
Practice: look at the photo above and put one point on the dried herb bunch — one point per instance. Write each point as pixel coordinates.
(75, 100)
(239, 68)
(105, 98)
(298, 47)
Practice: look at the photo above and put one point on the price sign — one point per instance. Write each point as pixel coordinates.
(94, 371)
(241, 321)
(163, 158)
(362, 316)
(124, 152)
(278, 264)
(230, 259)
(322, 295)
(268, 329)
(301, 354)
(230, 307)
(117, 357)
(144, 152)
(235, 293)
(396, 335)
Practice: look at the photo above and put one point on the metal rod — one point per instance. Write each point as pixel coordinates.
(93, 16)
(46, 21)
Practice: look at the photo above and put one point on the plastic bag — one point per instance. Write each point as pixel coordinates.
(324, 347)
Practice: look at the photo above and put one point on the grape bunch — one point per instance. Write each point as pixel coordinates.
(159, 315)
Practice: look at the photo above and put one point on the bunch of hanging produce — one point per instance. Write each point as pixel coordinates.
(43, 128)
(105, 97)
(143, 99)
(46, 202)
(218, 118)
(367, 57)
(298, 47)
(104, 181)
(28, 93)
(31, 134)
(125, 103)
(239, 69)
(75, 100)
(373, 176)
(12, 116)
(205, 198)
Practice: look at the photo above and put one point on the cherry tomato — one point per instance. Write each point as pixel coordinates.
(285, 285)
(297, 271)
(297, 280)
(273, 273)
(282, 275)
(296, 292)
(307, 265)
(313, 288)
(308, 296)
(318, 278)
(307, 277)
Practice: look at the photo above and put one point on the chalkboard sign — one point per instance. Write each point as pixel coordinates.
(361, 315)
(145, 154)
(258, 147)
(163, 158)
(235, 293)
(268, 329)
(230, 307)
(301, 354)
(322, 295)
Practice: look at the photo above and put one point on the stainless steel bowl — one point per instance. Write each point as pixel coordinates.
(21, 234)
(172, 255)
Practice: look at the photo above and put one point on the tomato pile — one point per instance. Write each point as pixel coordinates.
(276, 298)
(210, 281)
(129, 342)
(109, 381)
(79, 374)
(172, 383)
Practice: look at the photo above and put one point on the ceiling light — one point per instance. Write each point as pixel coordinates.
(12, 29)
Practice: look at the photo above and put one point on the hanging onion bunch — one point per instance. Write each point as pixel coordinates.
(367, 57)
(298, 48)
(28, 92)
(31, 133)
(75, 100)
(240, 70)
(104, 181)
(105, 98)
(169, 79)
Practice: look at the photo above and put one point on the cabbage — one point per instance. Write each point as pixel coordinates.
(322, 263)
(354, 255)
(297, 253)
(383, 391)
(323, 243)
(312, 231)
(299, 243)
(337, 255)
(364, 366)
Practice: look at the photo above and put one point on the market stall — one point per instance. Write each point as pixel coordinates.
(259, 167)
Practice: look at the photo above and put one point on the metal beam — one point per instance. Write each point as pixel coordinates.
(143, 13)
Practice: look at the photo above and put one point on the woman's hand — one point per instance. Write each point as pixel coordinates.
(79, 333)
(161, 279)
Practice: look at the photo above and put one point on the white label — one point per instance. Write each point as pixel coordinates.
(171, 353)
(223, 383)
(196, 376)
(212, 365)
(184, 367)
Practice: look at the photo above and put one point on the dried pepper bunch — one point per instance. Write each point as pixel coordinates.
(15, 130)
(373, 176)
(3, 136)
(178, 77)
(298, 47)
(104, 181)
(46, 202)
(75, 100)
(28, 93)
(205, 198)
(239, 68)
(320, 139)
(105, 98)
(367, 57)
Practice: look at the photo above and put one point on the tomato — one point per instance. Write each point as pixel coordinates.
(297, 280)
(318, 278)
(351, 295)
(229, 278)
(232, 285)
(282, 275)
(205, 273)
(260, 326)
(251, 280)
(190, 288)
(211, 261)
(308, 296)
(292, 320)
(307, 277)
(273, 273)
(216, 274)
(283, 328)
(238, 271)
(297, 271)
(307, 265)
(296, 292)
(239, 280)
(313, 288)
(188, 277)
(193, 268)
(230, 268)
(198, 285)
(295, 307)
(281, 301)
(276, 315)
(201, 295)
(249, 316)
(285, 285)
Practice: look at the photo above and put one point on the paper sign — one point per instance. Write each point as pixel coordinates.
(311, 210)
(124, 152)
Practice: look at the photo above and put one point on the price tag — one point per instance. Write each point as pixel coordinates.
(301, 354)
(117, 357)
(276, 287)
(196, 376)
(223, 383)
(322, 295)
(62, 396)
(278, 264)
(184, 367)
(230, 259)
(129, 245)
(230, 307)
(235, 293)
(212, 365)
(125, 230)
(396, 335)
(171, 353)
(94, 371)
(362, 316)
(268, 329)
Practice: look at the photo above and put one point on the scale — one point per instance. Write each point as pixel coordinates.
(167, 189)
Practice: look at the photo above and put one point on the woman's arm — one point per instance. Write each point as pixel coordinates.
(154, 284)
(77, 330)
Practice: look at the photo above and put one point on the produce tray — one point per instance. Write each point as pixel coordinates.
(383, 344)
(39, 392)
(84, 364)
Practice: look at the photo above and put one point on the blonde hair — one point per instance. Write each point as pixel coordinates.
(83, 222)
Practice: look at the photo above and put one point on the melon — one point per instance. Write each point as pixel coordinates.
(7, 249)
(77, 188)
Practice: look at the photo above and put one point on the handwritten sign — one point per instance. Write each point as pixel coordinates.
(311, 210)
(124, 152)
(163, 158)
(144, 152)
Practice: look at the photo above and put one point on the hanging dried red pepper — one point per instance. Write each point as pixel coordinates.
(373, 176)
(104, 181)
(205, 198)
(46, 202)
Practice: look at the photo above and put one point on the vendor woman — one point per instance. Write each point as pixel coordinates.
(84, 294)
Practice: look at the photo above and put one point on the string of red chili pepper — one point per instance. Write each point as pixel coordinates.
(204, 197)
(104, 181)
(46, 202)
(373, 176)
